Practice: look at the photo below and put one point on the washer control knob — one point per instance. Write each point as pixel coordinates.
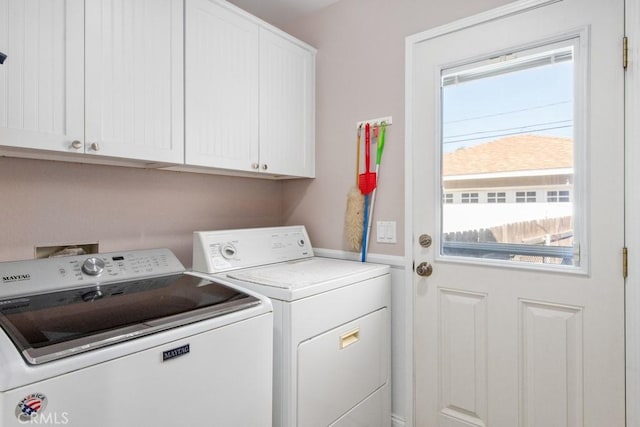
(93, 266)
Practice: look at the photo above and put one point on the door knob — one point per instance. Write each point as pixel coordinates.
(424, 269)
(77, 144)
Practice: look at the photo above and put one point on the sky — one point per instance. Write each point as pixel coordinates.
(533, 101)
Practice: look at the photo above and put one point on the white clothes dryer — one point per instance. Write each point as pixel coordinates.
(331, 323)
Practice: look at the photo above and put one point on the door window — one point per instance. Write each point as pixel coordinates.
(509, 148)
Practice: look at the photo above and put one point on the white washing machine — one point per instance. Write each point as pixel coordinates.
(331, 323)
(129, 339)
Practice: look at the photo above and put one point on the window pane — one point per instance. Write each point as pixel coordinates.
(507, 150)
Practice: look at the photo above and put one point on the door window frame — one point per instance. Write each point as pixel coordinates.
(579, 38)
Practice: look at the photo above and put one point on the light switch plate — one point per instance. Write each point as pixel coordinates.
(386, 232)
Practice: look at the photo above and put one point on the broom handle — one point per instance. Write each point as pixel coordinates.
(373, 196)
(367, 148)
(363, 256)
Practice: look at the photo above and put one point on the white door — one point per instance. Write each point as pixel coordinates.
(41, 81)
(520, 185)
(134, 79)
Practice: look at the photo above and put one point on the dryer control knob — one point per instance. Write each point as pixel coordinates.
(229, 251)
(93, 266)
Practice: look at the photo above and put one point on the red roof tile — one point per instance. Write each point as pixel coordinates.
(514, 153)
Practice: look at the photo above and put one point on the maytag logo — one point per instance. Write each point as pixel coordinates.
(16, 278)
(175, 352)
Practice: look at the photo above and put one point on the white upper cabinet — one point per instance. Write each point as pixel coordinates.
(249, 94)
(221, 87)
(209, 88)
(134, 79)
(101, 77)
(41, 81)
(287, 100)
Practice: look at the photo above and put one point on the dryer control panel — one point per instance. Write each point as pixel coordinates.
(226, 250)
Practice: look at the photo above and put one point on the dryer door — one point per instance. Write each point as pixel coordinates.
(341, 368)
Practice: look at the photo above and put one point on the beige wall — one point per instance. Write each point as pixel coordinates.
(51, 203)
(360, 75)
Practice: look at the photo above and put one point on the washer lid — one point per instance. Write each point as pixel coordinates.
(304, 273)
(55, 325)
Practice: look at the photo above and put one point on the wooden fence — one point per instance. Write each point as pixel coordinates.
(556, 231)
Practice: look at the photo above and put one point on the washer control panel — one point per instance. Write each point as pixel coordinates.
(225, 250)
(52, 274)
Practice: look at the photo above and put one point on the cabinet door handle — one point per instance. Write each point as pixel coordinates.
(2, 57)
(255, 165)
(95, 146)
(76, 144)
(265, 167)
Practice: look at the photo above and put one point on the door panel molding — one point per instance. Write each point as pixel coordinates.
(551, 343)
(463, 332)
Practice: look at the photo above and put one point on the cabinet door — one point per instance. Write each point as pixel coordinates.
(287, 97)
(134, 79)
(41, 81)
(221, 70)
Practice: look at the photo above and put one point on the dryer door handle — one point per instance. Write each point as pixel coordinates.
(349, 338)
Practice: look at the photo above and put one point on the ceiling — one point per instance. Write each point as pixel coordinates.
(279, 12)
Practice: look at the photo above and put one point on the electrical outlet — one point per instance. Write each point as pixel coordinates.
(386, 232)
